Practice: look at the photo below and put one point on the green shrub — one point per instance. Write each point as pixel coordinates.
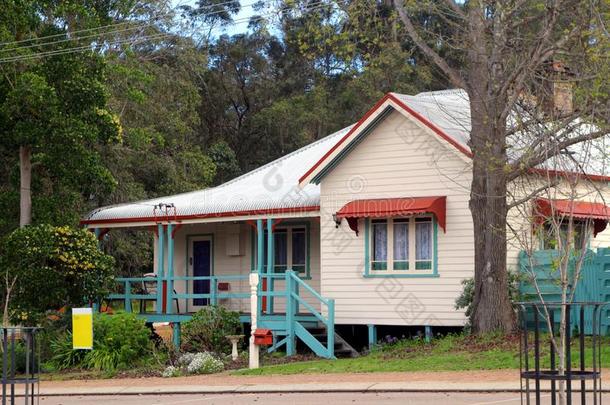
(64, 263)
(118, 341)
(466, 298)
(206, 331)
(64, 357)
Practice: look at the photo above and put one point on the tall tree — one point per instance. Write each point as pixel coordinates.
(54, 106)
(511, 55)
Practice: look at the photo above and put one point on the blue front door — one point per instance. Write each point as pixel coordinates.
(201, 267)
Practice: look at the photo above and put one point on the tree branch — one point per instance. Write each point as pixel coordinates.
(451, 73)
(522, 165)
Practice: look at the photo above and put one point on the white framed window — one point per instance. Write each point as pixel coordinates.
(402, 245)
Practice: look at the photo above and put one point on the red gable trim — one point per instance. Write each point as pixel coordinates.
(346, 136)
(372, 111)
(436, 130)
(598, 212)
(394, 207)
(433, 127)
(271, 211)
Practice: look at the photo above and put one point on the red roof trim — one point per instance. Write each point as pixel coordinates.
(433, 127)
(598, 212)
(373, 110)
(203, 216)
(349, 133)
(393, 207)
(436, 130)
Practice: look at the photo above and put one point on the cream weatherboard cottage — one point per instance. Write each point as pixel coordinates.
(369, 226)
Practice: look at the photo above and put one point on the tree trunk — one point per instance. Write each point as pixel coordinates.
(25, 194)
(492, 309)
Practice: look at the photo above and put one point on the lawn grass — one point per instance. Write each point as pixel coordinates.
(449, 353)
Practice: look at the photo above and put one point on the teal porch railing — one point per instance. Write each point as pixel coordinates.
(288, 325)
(164, 302)
(292, 324)
(593, 286)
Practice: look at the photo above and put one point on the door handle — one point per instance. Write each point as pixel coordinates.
(191, 261)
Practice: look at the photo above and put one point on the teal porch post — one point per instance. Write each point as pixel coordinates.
(372, 336)
(260, 235)
(289, 314)
(160, 267)
(170, 270)
(270, 264)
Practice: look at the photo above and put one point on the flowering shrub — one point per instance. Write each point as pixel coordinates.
(64, 263)
(195, 363)
(204, 363)
(171, 371)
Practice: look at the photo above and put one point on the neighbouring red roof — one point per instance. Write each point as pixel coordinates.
(598, 212)
(393, 207)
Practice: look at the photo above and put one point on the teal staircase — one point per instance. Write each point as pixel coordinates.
(293, 324)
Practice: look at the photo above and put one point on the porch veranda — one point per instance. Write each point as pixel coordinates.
(284, 303)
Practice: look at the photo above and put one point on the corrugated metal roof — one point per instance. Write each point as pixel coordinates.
(272, 186)
(275, 185)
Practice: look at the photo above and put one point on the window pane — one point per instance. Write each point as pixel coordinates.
(298, 248)
(401, 241)
(380, 245)
(423, 240)
(280, 251)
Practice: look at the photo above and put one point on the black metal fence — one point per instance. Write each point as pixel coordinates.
(540, 359)
(20, 365)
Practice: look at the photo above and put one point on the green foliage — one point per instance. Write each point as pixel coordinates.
(119, 341)
(64, 357)
(63, 262)
(466, 297)
(207, 330)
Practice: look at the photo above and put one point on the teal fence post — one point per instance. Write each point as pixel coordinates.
(330, 328)
(289, 314)
(170, 270)
(176, 335)
(127, 296)
(160, 267)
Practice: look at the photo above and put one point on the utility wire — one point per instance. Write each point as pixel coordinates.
(158, 15)
(138, 25)
(310, 7)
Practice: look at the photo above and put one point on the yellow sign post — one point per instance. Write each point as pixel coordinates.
(82, 328)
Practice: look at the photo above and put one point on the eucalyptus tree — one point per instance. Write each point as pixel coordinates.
(516, 60)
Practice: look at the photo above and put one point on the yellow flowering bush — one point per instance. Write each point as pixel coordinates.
(53, 267)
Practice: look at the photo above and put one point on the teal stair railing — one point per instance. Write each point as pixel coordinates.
(290, 325)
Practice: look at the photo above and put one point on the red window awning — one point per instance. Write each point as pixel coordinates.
(597, 212)
(393, 207)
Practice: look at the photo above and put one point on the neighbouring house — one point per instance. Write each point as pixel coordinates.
(368, 227)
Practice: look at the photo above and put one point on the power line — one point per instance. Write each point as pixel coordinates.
(157, 16)
(310, 7)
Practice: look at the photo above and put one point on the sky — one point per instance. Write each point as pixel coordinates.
(241, 24)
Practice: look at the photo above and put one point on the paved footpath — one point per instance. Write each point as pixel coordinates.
(392, 398)
(442, 381)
